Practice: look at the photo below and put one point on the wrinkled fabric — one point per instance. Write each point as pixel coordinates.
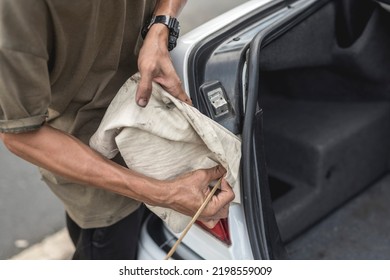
(164, 140)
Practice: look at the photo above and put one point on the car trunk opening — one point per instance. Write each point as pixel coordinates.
(324, 92)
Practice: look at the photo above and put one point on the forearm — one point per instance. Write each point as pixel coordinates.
(169, 7)
(68, 157)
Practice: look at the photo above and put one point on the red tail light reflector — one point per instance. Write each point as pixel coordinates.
(220, 231)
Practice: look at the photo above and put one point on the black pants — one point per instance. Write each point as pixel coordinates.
(116, 242)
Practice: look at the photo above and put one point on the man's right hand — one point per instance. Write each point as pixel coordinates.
(189, 191)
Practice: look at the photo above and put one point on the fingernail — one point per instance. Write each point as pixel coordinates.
(142, 102)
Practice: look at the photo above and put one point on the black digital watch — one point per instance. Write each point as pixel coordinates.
(172, 24)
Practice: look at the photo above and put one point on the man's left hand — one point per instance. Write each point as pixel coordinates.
(155, 65)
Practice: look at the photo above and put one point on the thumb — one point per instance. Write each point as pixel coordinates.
(144, 90)
(216, 172)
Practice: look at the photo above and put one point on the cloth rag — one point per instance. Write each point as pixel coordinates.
(165, 139)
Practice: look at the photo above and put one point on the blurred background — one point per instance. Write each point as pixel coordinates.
(32, 218)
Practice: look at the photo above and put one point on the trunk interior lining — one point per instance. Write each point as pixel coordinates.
(325, 94)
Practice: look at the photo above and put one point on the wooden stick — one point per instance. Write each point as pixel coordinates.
(196, 216)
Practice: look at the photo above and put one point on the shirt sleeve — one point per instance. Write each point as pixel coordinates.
(24, 76)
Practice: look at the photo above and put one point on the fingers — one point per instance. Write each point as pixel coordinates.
(144, 90)
(218, 206)
(190, 191)
(162, 73)
(210, 222)
(173, 86)
(226, 194)
(221, 199)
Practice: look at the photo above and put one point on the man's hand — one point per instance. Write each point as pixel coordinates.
(190, 191)
(155, 64)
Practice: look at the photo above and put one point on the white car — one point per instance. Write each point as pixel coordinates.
(306, 86)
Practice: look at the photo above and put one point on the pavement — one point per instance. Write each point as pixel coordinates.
(54, 247)
(31, 210)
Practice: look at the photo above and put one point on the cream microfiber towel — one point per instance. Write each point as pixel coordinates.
(164, 140)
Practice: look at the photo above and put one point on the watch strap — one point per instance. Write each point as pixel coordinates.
(172, 24)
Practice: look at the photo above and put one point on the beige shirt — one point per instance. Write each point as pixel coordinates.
(64, 61)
